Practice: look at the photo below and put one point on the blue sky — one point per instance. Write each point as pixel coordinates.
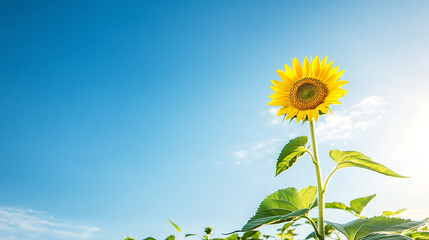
(117, 115)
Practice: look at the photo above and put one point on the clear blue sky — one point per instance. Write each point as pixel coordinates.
(117, 115)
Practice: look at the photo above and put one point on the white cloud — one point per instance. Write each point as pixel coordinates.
(18, 223)
(241, 154)
(258, 150)
(348, 123)
(272, 113)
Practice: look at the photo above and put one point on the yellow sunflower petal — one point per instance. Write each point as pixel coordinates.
(306, 69)
(283, 110)
(300, 116)
(326, 70)
(339, 84)
(278, 83)
(291, 73)
(315, 67)
(335, 77)
(310, 115)
(277, 102)
(324, 108)
(331, 75)
(334, 102)
(292, 113)
(298, 68)
(278, 89)
(278, 95)
(323, 62)
(315, 114)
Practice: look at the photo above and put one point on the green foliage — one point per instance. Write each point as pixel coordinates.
(386, 236)
(208, 230)
(250, 235)
(190, 235)
(149, 238)
(375, 228)
(130, 238)
(356, 159)
(286, 232)
(356, 205)
(390, 213)
(419, 235)
(291, 153)
(282, 206)
(328, 231)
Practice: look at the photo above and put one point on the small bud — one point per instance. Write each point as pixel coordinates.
(208, 230)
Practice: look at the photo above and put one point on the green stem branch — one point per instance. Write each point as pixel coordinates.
(327, 180)
(320, 189)
(314, 226)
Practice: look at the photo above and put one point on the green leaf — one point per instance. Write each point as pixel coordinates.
(361, 228)
(357, 159)
(285, 227)
(311, 235)
(342, 206)
(232, 237)
(285, 205)
(386, 236)
(337, 205)
(419, 235)
(358, 204)
(307, 196)
(291, 153)
(190, 235)
(177, 227)
(171, 237)
(149, 238)
(390, 213)
(251, 235)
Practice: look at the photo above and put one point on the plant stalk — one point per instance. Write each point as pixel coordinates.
(320, 189)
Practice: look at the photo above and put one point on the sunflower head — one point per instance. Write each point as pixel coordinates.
(307, 91)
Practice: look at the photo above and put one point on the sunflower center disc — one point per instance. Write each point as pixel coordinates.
(308, 93)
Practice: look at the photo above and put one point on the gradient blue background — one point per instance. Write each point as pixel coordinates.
(112, 114)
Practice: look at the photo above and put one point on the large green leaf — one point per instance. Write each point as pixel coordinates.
(291, 153)
(357, 159)
(374, 228)
(282, 206)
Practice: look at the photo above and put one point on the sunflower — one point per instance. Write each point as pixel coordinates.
(307, 91)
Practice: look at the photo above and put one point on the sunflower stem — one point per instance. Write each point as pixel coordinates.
(320, 189)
